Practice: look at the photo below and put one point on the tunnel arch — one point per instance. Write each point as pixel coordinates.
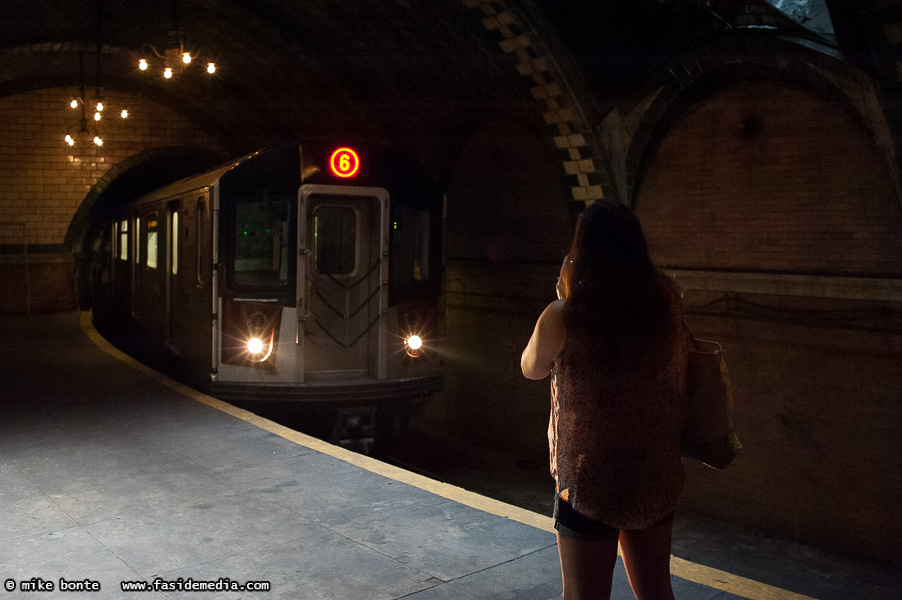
(57, 65)
(557, 91)
(633, 130)
(131, 178)
(766, 176)
(135, 176)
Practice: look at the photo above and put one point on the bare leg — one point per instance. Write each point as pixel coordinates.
(646, 556)
(587, 568)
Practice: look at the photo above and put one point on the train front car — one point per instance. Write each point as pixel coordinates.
(330, 283)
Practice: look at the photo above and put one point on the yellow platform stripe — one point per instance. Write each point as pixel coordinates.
(684, 569)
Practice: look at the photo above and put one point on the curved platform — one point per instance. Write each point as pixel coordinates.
(114, 474)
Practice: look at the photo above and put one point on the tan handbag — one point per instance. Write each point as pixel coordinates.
(708, 435)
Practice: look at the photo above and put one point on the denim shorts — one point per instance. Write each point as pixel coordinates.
(571, 524)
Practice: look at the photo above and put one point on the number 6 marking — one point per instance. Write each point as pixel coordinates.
(344, 162)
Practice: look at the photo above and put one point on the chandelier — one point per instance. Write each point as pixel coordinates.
(175, 59)
(84, 136)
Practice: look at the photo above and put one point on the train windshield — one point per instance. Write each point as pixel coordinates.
(410, 246)
(415, 270)
(261, 242)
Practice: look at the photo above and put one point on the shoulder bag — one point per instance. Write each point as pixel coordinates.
(708, 435)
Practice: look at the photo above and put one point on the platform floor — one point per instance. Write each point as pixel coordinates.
(111, 473)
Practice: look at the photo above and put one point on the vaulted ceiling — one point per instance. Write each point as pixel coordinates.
(387, 68)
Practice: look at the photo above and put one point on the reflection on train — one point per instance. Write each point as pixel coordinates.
(305, 273)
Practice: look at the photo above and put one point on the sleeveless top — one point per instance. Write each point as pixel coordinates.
(614, 436)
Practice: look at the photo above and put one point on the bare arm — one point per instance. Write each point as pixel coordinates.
(546, 342)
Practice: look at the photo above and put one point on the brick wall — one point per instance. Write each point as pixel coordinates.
(770, 177)
(43, 180)
(38, 284)
(505, 202)
(818, 410)
(508, 228)
(763, 179)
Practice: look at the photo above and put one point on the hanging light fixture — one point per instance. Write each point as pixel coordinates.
(176, 58)
(82, 136)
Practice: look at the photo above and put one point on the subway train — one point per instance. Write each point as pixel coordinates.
(307, 274)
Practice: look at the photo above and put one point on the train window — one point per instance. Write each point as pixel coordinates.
(123, 239)
(137, 240)
(335, 240)
(174, 241)
(410, 246)
(152, 249)
(261, 243)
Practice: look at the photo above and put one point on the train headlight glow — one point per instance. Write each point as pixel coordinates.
(413, 343)
(255, 345)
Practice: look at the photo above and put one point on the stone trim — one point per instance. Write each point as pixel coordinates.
(568, 131)
(810, 286)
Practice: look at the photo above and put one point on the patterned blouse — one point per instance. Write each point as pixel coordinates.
(614, 436)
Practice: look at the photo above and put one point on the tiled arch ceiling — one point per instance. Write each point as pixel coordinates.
(272, 70)
(568, 128)
(294, 62)
(308, 64)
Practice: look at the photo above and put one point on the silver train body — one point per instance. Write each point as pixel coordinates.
(305, 273)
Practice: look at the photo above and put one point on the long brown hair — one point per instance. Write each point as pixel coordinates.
(619, 305)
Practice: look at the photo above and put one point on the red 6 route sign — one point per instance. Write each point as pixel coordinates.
(344, 162)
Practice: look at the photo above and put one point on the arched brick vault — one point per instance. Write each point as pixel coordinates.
(381, 70)
(140, 173)
(633, 129)
(554, 83)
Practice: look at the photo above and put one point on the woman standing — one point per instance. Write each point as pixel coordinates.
(614, 345)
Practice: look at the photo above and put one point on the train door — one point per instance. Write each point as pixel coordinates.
(174, 298)
(342, 281)
(150, 300)
(135, 264)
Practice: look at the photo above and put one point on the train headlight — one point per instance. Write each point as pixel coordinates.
(255, 345)
(413, 343)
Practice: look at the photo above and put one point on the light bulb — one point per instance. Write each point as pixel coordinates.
(167, 73)
(124, 114)
(99, 106)
(74, 104)
(69, 140)
(211, 68)
(97, 116)
(186, 58)
(98, 141)
(142, 64)
(255, 345)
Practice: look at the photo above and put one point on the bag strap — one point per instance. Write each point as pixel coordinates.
(693, 342)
